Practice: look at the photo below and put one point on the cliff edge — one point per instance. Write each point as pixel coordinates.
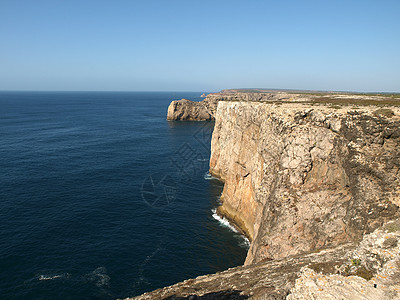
(366, 270)
(205, 110)
(313, 180)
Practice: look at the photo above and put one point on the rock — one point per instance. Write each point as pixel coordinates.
(370, 271)
(365, 270)
(267, 280)
(188, 110)
(309, 185)
(205, 110)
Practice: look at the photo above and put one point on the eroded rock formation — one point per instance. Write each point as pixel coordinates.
(186, 110)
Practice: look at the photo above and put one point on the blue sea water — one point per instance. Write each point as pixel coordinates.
(102, 198)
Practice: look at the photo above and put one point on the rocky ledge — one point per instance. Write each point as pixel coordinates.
(368, 270)
(313, 180)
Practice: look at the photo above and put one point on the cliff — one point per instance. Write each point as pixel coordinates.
(299, 178)
(186, 110)
(313, 180)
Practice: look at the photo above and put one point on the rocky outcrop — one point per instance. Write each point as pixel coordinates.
(366, 270)
(299, 179)
(186, 110)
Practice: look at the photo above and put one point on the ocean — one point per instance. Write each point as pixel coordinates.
(102, 198)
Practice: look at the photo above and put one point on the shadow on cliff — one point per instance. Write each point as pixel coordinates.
(222, 295)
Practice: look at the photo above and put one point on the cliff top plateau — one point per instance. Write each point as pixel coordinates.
(204, 111)
(309, 97)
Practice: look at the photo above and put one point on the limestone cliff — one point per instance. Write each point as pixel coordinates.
(299, 178)
(314, 181)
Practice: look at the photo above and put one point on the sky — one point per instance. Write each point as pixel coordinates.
(174, 45)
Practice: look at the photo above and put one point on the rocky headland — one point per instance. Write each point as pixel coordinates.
(313, 180)
(187, 110)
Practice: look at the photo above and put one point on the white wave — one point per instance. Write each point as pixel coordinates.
(52, 277)
(222, 221)
(243, 241)
(99, 277)
(202, 159)
(208, 176)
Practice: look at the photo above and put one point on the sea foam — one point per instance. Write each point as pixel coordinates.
(243, 241)
(223, 221)
(208, 176)
(52, 277)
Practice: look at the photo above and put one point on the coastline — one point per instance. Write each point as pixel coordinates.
(223, 217)
(223, 212)
(311, 179)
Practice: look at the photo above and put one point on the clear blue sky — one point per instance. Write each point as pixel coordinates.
(171, 45)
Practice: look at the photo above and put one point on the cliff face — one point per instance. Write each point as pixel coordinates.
(314, 181)
(299, 178)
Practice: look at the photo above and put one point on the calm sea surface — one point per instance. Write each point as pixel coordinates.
(102, 198)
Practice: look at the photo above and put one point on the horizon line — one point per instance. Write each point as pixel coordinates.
(208, 92)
